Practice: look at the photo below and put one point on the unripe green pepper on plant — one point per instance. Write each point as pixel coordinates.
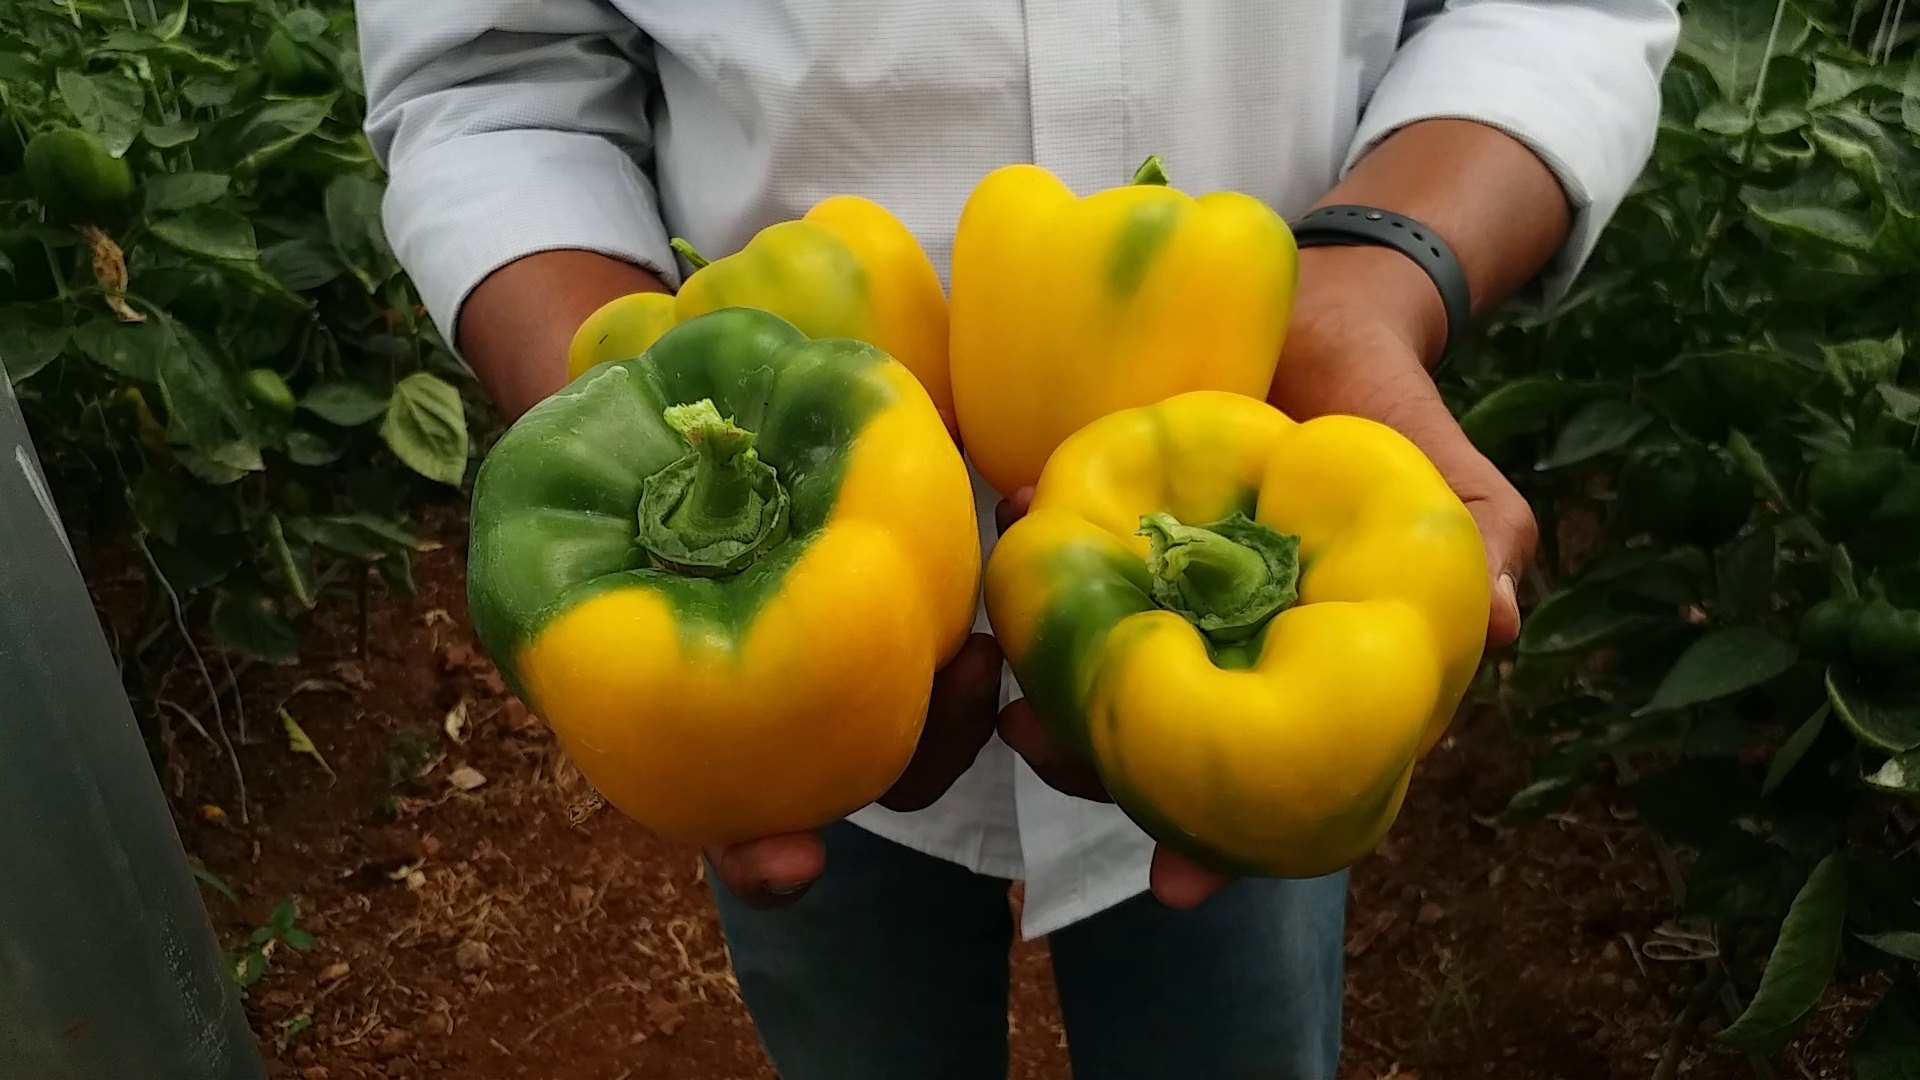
(1684, 495)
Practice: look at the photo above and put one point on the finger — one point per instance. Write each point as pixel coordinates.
(1012, 509)
(1180, 883)
(1021, 729)
(1509, 534)
(771, 872)
(961, 713)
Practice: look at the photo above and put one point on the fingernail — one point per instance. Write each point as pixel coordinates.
(1508, 589)
(787, 888)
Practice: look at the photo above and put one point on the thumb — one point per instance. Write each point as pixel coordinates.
(1508, 533)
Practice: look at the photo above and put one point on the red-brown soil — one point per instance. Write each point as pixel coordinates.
(477, 914)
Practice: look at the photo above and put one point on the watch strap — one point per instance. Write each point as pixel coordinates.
(1350, 225)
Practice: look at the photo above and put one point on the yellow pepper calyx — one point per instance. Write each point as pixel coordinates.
(686, 251)
(716, 509)
(1228, 578)
(1152, 171)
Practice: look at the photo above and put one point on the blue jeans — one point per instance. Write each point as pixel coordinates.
(894, 967)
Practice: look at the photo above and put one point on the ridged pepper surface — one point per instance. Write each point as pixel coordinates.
(1065, 309)
(848, 269)
(725, 571)
(1251, 627)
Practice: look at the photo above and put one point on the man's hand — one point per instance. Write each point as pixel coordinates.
(776, 870)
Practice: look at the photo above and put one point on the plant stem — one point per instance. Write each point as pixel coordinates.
(686, 251)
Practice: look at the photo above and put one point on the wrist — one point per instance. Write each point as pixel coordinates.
(1363, 292)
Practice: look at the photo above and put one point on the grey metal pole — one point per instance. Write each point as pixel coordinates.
(109, 968)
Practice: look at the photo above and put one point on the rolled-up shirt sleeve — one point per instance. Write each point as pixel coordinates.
(508, 127)
(1577, 81)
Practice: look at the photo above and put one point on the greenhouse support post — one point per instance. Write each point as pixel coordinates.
(109, 968)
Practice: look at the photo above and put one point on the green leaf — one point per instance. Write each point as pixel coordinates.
(298, 938)
(1833, 225)
(1910, 96)
(250, 141)
(1575, 619)
(1870, 151)
(290, 567)
(1835, 81)
(180, 191)
(299, 743)
(251, 967)
(1902, 403)
(250, 623)
(204, 93)
(353, 222)
(305, 25)
(1898, 775)
(1889, 724)
(212, 881)
(166, 136)
(1598, 427)
(1904, 944)
(174, 23)
(1801, 964)
(1751, 462)
(218, 234)
(106, 105)
(156, 498)
(1745, 571)
(306, 448)
(426, 427)
(1719, 665)
(31, 337)
(300, 265)
(204, 408)
(346, 404)
(1540, 798)
(1731, 39)
(1515, 408)
(1866, 362)
(129, 349)
(1795, 748)
(1889, 1045)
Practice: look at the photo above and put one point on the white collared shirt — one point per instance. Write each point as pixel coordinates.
(516, 126)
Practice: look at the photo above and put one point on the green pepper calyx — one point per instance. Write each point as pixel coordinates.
(686, 251)
(717, 509)
(1152, 171)
(1227, 578)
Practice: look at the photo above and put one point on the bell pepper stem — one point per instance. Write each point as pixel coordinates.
(687, 252)
(716, 509)
(1227, 578)
(1152, 171)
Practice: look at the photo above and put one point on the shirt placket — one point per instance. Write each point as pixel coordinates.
(1076, 87)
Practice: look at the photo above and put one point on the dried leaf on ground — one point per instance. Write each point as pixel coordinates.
(299, 743)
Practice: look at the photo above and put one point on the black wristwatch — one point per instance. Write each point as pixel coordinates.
(1367, 225)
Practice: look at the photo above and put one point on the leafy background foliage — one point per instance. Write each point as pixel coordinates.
(226, 372)
(230, 378)
(1717, 431)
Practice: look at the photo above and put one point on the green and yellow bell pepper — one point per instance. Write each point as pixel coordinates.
(1251, 627)
(848, 269)
(1065, 309)
(725, 571)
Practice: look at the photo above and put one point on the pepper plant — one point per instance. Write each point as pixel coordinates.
(1717, 430)
(217, 353)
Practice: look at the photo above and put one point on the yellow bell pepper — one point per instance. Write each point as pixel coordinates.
(1251, 627)
(725, 572)
(1066, 309)
(848, 269)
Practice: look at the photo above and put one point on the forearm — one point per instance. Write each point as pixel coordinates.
(517, 323)
(1495, 203)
